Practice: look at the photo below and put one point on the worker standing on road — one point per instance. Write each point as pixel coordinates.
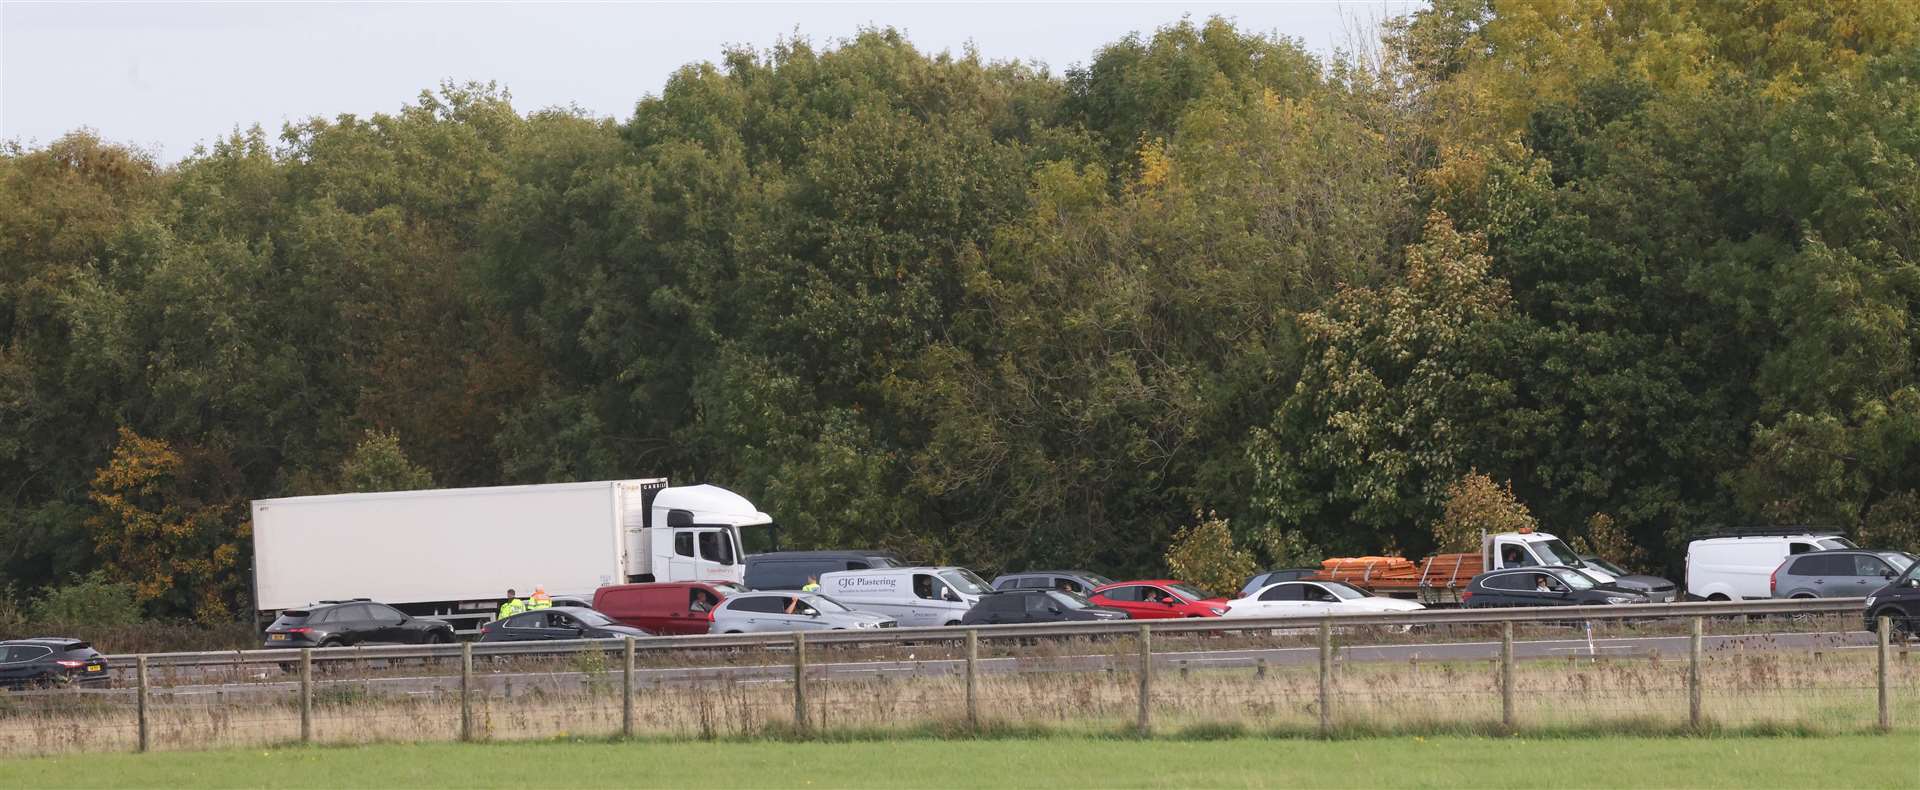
(539, 599)
(513, 605)
(812, 585)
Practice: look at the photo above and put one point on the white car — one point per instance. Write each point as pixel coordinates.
(1314, 599)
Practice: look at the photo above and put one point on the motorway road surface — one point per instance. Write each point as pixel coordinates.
(509, 682)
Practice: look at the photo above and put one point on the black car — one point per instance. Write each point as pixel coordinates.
(789, 570)
(1077, 582)
(1259, 581)
(556, 622)
(1551, 585)
(1657, 590)
(1035, 606)
(355, 622)
(50, 661)
(1899, 600)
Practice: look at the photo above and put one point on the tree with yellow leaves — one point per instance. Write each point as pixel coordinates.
(172, 522)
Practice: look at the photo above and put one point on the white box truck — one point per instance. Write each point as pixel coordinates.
(453, 553)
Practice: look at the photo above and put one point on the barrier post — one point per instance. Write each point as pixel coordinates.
(1326, 677)
(140, 672)
(626, 692)
(306, 695)
(1694, 714)
(800, 680)
(1506, 675)
(973, 671)
(1145, 724)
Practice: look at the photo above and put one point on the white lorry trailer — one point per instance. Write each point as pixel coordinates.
(453, 553)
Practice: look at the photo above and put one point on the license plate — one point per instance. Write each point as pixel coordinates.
(276, 637)
(95, 669)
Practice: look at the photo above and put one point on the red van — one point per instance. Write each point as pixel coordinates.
(664, 608)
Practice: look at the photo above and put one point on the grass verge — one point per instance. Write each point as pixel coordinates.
(999, 763)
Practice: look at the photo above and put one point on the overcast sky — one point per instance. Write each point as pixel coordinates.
(165, 76)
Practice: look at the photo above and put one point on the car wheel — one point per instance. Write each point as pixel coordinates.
(439, 638)
(1718, 597)
(1901, 628)
(951, 623)
(733, 632)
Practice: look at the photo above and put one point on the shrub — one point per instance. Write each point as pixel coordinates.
(92, 600)
(1204, 555)
(1476, 505)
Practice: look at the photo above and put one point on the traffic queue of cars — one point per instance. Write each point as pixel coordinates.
(872, 590)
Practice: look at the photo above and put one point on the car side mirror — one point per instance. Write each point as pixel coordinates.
(1166, 602)
(949, 595)
(1913, 582)
(1054, 609)
(812, 612)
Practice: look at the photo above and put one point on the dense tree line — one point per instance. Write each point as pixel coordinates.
(1653, 264)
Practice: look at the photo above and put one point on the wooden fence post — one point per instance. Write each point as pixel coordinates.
(1506, 675)
(1145, 724)
(1326, 677)
(973, 671)
(466, 691)
(800, 680)
(306, 695)
(626, 693)
(140, 672)
(1695, 716)
(1886, 689)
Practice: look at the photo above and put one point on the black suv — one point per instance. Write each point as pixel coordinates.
(50, 661)
(355, 622)
(1550, 585)
(1078, 582)
(1899, 600)
(1035, 606)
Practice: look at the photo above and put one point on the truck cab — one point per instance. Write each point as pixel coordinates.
(1529, 549)
(691, 533)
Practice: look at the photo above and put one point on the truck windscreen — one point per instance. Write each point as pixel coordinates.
(759, 539)
(1558, 553)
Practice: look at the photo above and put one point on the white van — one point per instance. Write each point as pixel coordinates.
(1737, 567)
(916, 597)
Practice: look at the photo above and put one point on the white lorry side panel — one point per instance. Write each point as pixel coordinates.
(438, 545)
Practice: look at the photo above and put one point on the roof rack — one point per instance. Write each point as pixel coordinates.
(344, 600)
(1771, 532)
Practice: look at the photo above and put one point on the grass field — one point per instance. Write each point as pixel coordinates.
(1611, 762)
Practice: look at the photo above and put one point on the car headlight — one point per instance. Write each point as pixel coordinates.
(1870, 601)
(1618, 599)
(1217, 611)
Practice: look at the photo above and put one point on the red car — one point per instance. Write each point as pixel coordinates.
(1157, 598)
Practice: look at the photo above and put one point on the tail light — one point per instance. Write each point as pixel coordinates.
(1466, 595)
(300, 630)
(70, 664)
(1773, 581)
(710, 615)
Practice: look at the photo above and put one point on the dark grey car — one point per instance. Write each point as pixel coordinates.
(760, 612)
(1076, 582)
(1656, 589)
(1838, 573)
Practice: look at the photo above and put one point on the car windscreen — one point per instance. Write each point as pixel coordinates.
(726, 588)
(592, 618)
(1096, 580)
(827, 604)
(963, 581)
(1575, 579)
(883, 561)
(1835, 543)
(1187, 592)
(1069, 600)
(1558, 553)
(1900, 560)
(1344, 591)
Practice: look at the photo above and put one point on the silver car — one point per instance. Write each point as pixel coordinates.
(753, 612)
